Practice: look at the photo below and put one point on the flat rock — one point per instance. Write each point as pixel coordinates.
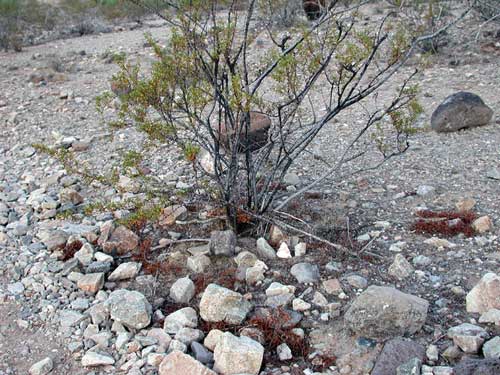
(397, 352)
(93, 359)
(219, 304)
(468, 337)
(305, 272)
(180, 363)
(185, 317)
(471, 366)
(125, 271)
(238, 355)
(485, 295)
(129, 308)
(385, 312)
(460, 110)
(42, 367)
(92, 282)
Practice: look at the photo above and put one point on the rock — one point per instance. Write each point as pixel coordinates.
(188, 335)
(223, 243)
(465, 204)
(300, 249)
(494, 174)
(185, 317)
(92, 282)
(425, 190)
(256, 273)
(264, 250)
(206, 161)
(176, 345)
(93, 359)
(161, 337)
(412, 367)
(219, 304)
(85, 255)
(16, 288)
(491, 316)
(397, 352)
(284, 252)
(291, 179)
(305, 272)
(250, 139)
(201, 353)
(245, 259)
(42, 367)
(171, 214)
(125, 271)
(298, 304)
(55, 240)
(400, 268)
(491, 348)
(182, 291)
(238, 355)
(122, 240)
(129, 308)
(471, 366)
(129, 185)
(284, 352)
(276, 236)
(485, 295)
(439, 243)
(332, 286)
(70, 195)
(358, 282)
(482, 224)
(385, 312)
(468, 337)
(180, 363)
(460, 110)
(198, 263)
(212, 339)
(432, 353)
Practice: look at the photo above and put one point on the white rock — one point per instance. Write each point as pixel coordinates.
(183, 290)
(238, 355)
(42, 367)
(93, 359)
(283, 251)
(125, 271)
(284, 352)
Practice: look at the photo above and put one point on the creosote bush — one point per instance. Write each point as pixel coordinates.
(206, 84)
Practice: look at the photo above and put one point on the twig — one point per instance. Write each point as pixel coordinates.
(187, 240)
(206, 221)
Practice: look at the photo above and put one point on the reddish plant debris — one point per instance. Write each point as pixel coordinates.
(152, 266)
(445, 223)
(225, 278)
(70, 249)
(275, 332)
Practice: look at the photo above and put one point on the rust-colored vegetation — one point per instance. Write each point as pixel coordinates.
(445, 223)
(70, 249)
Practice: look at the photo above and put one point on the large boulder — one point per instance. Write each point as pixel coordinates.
(219, 304)
(238, 355)
(397, 352)
(180, 363)
(385, 312)
(460, 110)
(485, 295)
(254, 139)
(129, 308)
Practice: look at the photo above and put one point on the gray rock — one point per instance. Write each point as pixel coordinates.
(42, 367)
(358, 282)
(460, 110)
(397, 352)
(198, 263)
(284, 352)
(425, 190)
(56, 240)
(129, 308)
(70, 318)
(305, 272)
(400, 268)
(384, 312)
(471, 366)
(16, 288)
(201, 353)
(125, 271)
(223, 243)
(468, 337)
(185, 317)
(264, 250)
(188, 335)
(238, 355)
(93, 359)
(412, 367)
(182, 291)
(491, 348)
(493, 174)
(220, 304)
